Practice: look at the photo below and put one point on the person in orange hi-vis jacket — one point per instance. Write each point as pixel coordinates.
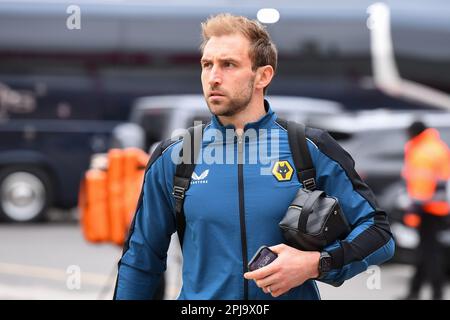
(426, 172)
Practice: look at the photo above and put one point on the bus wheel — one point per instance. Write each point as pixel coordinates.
(24, 194)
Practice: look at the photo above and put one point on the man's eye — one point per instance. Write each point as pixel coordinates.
(206, 65)
(229, 64)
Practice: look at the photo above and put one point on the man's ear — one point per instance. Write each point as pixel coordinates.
(263, 77)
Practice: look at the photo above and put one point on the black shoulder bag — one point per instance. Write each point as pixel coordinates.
(313, 220)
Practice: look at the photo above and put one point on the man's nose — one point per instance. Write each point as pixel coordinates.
(215, 77)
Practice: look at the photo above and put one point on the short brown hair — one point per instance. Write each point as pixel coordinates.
(262, 50)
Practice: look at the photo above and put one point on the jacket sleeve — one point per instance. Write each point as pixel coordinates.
(145, 251)
(370, 242)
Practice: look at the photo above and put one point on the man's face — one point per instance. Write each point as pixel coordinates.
(227, 75)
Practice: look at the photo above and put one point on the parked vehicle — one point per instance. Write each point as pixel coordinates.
(46, 142)
(376, 140)
(155, 118)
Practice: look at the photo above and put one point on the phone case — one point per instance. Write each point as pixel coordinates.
(262, 258)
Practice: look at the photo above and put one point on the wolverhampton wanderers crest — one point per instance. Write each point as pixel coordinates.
(282, 170)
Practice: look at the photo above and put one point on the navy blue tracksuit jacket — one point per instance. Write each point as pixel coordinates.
(233, 207)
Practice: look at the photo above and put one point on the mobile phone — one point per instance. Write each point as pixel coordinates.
(262, 258)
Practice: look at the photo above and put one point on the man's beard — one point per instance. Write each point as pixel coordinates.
(236, 103)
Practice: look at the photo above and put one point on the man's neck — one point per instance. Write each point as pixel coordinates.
(252, 113)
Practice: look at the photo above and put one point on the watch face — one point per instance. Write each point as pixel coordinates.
(325, 263)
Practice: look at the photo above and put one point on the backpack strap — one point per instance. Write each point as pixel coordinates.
(182, 179)
(304, 166)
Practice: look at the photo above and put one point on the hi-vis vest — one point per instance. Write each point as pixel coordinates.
(427, 170)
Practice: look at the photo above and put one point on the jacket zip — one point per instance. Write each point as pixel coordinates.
(242, 213)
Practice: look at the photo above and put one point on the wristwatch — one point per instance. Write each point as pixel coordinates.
(324, 264)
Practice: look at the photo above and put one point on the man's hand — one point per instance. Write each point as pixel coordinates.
(291, 269)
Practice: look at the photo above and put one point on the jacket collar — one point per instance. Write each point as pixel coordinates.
(265, 121)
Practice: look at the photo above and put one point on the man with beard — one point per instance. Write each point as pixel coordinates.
(232, 209)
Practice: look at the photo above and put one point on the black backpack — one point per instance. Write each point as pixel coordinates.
(305, 170)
